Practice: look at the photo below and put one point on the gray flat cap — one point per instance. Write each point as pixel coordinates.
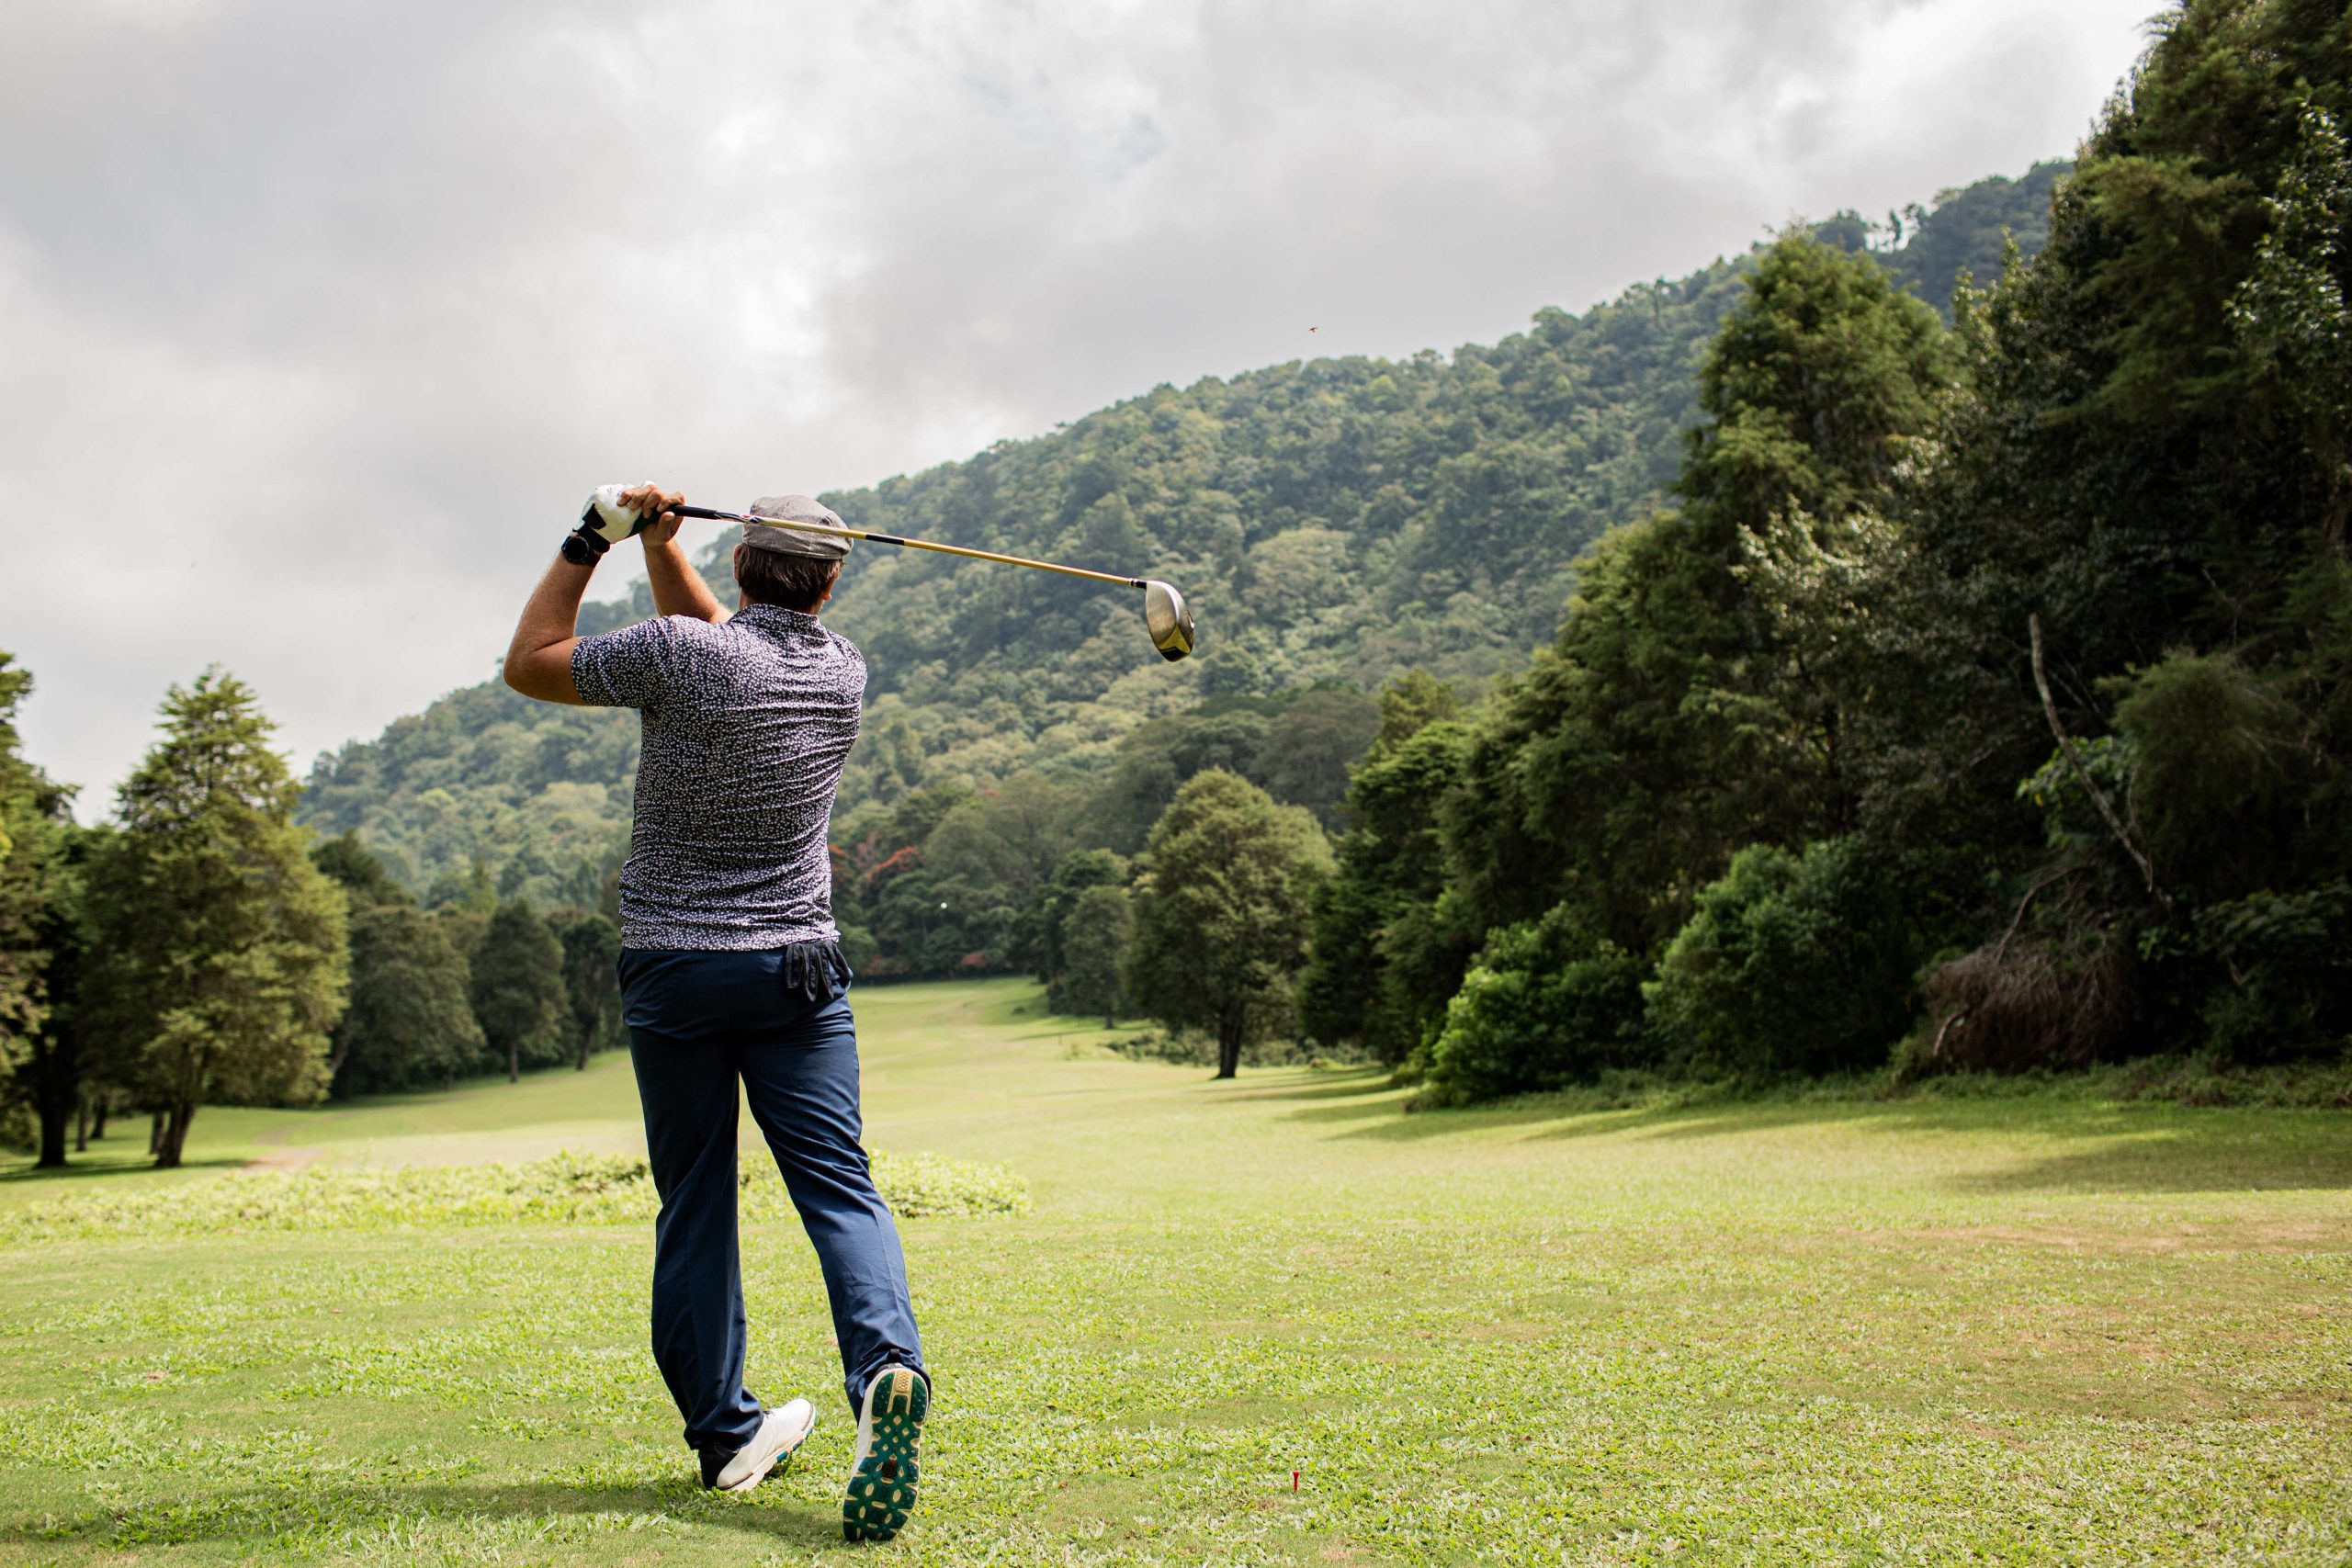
(791, 541)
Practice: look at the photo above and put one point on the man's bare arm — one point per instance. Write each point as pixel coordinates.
(538, 662)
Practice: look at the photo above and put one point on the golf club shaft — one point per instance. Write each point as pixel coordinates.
(714, 515)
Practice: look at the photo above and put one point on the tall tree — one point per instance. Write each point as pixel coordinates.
(1387, 955)
(410, 1019)
(1095, 938)
(518, 993)
(25, 862)
(591, 946)
(40, 1061)
(218, 960)
(1675, 720)
(1221, 912)
(56, 1071)
(2138, 461)
(1039, 933)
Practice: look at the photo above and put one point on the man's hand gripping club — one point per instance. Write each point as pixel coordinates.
(615, 512)
(538, 662)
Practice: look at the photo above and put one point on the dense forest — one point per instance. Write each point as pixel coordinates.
(1337, 524)
(1979, 696)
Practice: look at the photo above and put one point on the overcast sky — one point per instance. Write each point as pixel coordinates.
(319, 320)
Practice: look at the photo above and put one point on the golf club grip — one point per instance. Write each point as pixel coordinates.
(707, 513)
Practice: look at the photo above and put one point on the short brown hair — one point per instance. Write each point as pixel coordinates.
(789, 582)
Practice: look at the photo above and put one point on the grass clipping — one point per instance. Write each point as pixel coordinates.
(565, 1188)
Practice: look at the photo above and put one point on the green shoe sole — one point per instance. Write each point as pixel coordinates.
(882, 1488)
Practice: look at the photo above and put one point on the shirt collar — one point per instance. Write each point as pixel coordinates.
(778, 618)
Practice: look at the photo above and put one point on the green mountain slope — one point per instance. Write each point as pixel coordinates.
(1337, 520)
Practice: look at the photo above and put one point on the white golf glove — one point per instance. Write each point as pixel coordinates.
(605, 521)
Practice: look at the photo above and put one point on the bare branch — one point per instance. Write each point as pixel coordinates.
(2019, 918)
(2074, 760)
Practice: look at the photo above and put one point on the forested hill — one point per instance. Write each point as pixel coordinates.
(1333, 520)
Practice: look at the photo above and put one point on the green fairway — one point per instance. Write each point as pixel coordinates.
(2004, 1331)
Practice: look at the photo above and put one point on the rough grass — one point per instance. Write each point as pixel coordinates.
(564, 1188)
(2009, 1331)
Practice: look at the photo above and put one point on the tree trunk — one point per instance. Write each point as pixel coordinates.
(1110, 1019)
(52, 1134)
(587, 1038)
(175, 1135)
(57, 1092)
(101, 1102)
(1228, 1050)
(156, 1134)
(515, 1060)
(82, 1123)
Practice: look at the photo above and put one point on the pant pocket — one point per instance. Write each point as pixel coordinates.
(648, 982)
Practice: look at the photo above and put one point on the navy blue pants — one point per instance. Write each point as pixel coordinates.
(697, 1023)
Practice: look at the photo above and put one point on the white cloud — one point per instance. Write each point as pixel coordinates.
(319, 323)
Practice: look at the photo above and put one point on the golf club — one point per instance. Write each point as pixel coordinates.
(1165, 614)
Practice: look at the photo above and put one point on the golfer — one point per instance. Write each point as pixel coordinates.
(731, 968)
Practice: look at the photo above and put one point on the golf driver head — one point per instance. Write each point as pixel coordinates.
(1168, 619)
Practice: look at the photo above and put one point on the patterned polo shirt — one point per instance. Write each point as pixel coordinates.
(748, 725)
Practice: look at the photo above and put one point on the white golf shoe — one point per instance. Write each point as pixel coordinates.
(886, 1466)
(786, 1428)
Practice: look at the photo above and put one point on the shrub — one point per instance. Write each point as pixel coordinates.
(1543, 1007)
(2256, 981)
(2285, 986)
(2048, 998)
(2220, 773)
(1790, 964)
(1181, 1047)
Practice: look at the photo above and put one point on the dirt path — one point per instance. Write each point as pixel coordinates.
(276, 1155)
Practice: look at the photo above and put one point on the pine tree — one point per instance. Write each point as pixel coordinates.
(219, 957)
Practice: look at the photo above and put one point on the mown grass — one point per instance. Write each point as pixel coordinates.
(2039, 1330)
